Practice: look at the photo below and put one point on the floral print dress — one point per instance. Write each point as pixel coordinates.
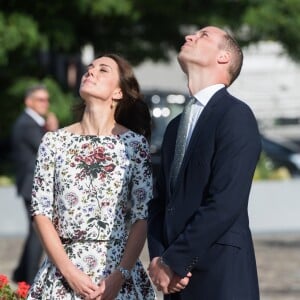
(92, 188)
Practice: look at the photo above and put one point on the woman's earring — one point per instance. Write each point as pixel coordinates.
(112, 105)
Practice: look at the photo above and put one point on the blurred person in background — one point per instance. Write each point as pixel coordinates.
(27, 134)
(199, 238)
(92, 185)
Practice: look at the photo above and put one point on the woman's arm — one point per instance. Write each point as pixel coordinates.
(78, 281)
(111, 286)
(135, 243)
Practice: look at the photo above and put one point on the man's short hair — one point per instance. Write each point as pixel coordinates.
(236, 63)
(32, 89)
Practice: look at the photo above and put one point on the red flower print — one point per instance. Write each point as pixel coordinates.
(109, 168)
(93, 164)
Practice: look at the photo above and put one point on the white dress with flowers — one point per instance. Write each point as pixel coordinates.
(92, 188)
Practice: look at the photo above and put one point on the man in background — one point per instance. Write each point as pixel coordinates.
(27, 133)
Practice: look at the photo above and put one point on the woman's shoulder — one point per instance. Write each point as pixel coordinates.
(50, 135)
(56, 135)
(70, 129)
(134, 137)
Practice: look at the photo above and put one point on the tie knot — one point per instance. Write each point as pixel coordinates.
(192, 100)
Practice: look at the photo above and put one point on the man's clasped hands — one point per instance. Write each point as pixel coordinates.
(165, 279)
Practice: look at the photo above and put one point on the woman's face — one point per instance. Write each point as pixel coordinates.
(101, 80)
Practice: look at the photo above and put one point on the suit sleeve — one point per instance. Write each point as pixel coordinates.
(237, 149)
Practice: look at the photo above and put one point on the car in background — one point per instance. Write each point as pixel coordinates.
(165, 105)
(283, 153)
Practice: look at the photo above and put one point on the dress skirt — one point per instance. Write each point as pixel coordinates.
(96, 259)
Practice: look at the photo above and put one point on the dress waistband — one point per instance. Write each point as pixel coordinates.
(71, 241)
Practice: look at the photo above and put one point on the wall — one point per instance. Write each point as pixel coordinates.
(274, 206)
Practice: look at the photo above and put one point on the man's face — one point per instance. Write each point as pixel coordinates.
(38, 101)
(201, 48)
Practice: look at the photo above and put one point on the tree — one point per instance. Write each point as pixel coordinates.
(275, 20)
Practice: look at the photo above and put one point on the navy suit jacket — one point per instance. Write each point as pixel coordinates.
(26, 138)
(202, 226)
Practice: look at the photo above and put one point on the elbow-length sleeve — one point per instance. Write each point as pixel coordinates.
(43, 181)
(141, 183)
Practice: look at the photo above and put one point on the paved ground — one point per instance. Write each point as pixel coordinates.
(278, 260)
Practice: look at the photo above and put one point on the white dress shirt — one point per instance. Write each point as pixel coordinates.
(203, 96)
(35, 116)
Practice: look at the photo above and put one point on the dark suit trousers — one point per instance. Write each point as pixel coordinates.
(32, 253)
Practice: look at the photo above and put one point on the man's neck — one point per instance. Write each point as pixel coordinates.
(199, 79)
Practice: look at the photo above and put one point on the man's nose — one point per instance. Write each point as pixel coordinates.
(189, 37)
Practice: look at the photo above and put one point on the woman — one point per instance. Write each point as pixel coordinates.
(92, 183)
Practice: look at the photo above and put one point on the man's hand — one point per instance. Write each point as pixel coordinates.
(52, 122)
(160, 274)
(177, 283)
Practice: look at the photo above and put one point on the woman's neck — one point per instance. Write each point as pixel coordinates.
(99, 121)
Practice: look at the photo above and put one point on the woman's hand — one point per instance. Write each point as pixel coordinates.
(80, 282)
(108, 288)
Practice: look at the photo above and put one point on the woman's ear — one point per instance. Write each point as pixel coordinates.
(118, 94)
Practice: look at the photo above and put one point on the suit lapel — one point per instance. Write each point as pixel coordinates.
(199, 128)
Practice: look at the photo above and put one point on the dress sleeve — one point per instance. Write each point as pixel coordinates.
(43, 182)
(142, 190)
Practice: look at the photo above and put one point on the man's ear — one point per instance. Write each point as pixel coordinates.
(28, 102)
(118, 94)
(224, 57)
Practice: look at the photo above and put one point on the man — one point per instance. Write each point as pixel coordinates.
(27, 133)
(199, 239)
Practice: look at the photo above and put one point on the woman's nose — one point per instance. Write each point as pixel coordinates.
(90, 72)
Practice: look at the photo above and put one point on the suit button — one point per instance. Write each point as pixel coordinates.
(170, 210)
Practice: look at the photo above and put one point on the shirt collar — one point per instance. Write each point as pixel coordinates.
(35, 116)
(203, 96)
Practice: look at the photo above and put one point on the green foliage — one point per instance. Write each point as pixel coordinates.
(108, 7)
(276, 20)
(16, 31)
(148, 28)
(61, 103)
(266, 169)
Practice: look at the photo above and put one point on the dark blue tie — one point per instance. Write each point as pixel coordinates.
(181, 140)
